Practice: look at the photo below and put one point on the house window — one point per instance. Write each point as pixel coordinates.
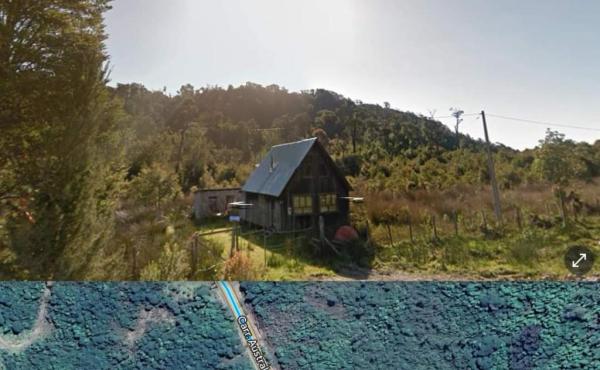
(327, 202)
(302, 204)
(212, 204)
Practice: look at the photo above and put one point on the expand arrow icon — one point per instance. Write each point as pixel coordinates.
(582, 258)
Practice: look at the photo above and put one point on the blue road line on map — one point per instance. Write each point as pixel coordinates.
(231, 299)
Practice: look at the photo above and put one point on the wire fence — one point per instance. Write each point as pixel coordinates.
(435, 227)
(268, 236)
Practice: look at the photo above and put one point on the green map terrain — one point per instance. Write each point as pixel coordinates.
(318, 325)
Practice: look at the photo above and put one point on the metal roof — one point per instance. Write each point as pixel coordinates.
(277, 168)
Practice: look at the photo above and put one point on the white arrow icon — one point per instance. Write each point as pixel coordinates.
(583, 257)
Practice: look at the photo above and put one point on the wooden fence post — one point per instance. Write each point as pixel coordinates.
(455, 220)
(518, 217)
(389, 230)
(435, 234)
(484, 220)
(194, 256)
(410, 230)
(265, 246)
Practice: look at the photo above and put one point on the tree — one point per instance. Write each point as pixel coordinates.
(322, 136)
(154, 187)
(328, 121)
(59, 140)
(171, 265)
(184, 115)
(555, 163)
(457, 114)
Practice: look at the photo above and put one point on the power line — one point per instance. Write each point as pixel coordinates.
(462, 115)
(268, 129)
(543, 123)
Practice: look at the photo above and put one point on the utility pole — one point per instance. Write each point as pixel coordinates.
(492, 170)
(457, 113)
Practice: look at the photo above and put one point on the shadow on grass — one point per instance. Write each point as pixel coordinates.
(295, 250)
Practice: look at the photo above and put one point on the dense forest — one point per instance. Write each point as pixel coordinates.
(96, 180)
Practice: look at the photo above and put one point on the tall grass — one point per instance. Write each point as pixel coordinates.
(471, 205)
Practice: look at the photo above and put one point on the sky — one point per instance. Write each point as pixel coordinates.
(525, 59)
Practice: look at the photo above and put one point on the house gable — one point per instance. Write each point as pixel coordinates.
(281, 163)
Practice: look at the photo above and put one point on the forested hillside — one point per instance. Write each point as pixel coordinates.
(212, 130)
(95, 180)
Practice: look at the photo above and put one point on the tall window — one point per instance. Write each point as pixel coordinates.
(212, 204)
(302, 204)
(328, 202)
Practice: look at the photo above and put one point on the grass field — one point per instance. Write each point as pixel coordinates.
(280, 260)
(531, 253)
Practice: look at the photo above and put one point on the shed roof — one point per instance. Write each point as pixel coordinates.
(277, 167)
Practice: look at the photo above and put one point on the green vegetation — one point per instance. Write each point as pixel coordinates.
(285, 258)
(533, 252)
(96, 181)
(101, 325)
(429, 325)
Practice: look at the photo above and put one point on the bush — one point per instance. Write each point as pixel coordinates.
(295, 266)
(171, 265)
(525, 250)
(275, 260)
(239, 267)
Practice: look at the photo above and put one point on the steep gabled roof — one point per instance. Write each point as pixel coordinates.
(278, 166)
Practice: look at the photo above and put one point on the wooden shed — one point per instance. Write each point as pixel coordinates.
(214, 202)
(294, 185)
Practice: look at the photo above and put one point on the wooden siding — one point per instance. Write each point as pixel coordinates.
(209, 202)
(313, 177)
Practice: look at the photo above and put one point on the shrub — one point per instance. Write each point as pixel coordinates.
(275, 260)
(239, 267)
(295, 266)
(525, 250)
(171, 265)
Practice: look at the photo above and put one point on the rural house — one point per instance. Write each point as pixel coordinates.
(293, 186)
(214, 202)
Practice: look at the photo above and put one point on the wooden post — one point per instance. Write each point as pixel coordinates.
(563, 212)
(232, 241)
(194, 257)
(484, 220)
(518, 217)
(389, 230)
(435, 235)
(134, 268)
(455, 220)
(265, 240)
(322, 231)
(490, 159)
(265, 247)
(135, 262)
(410, 230)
